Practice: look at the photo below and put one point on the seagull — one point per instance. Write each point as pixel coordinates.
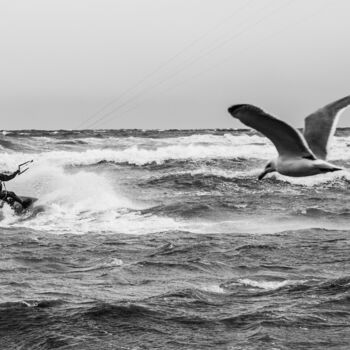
(298, 154)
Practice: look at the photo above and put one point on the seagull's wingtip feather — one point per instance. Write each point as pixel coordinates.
(234, 108)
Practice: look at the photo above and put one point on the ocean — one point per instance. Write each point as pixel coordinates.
(166, 239)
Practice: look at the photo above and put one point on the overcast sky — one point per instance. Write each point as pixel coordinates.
(169, 63)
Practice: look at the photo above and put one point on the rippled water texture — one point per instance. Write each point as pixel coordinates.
(167, 240)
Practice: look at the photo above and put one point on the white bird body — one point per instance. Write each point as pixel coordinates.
(296, 153)
(298, 167)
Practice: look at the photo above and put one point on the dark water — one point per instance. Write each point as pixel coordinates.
(167, 240)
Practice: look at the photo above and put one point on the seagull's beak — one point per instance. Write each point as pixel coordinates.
(263, 174)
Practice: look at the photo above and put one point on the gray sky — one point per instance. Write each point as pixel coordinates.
(169, 63)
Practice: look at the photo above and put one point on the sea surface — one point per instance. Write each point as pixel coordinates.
(151, 239)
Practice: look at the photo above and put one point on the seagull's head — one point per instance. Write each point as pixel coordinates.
(269, 168)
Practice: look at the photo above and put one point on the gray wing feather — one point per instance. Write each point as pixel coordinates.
(288, 141)
(320, 126)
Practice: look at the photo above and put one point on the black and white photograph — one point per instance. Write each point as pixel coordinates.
(174, 174)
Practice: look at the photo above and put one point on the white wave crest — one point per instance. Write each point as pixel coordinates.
(212, 288)
(140, 151)
(131, 155)
(269, 285)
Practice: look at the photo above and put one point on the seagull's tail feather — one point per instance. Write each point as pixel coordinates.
(326, 167)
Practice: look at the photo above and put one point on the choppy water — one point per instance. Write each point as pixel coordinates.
(167, 240)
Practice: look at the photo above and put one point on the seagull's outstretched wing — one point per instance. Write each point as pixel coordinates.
(288, 141)
(320, 126)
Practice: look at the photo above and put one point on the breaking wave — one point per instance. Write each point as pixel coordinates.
(204, 182)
